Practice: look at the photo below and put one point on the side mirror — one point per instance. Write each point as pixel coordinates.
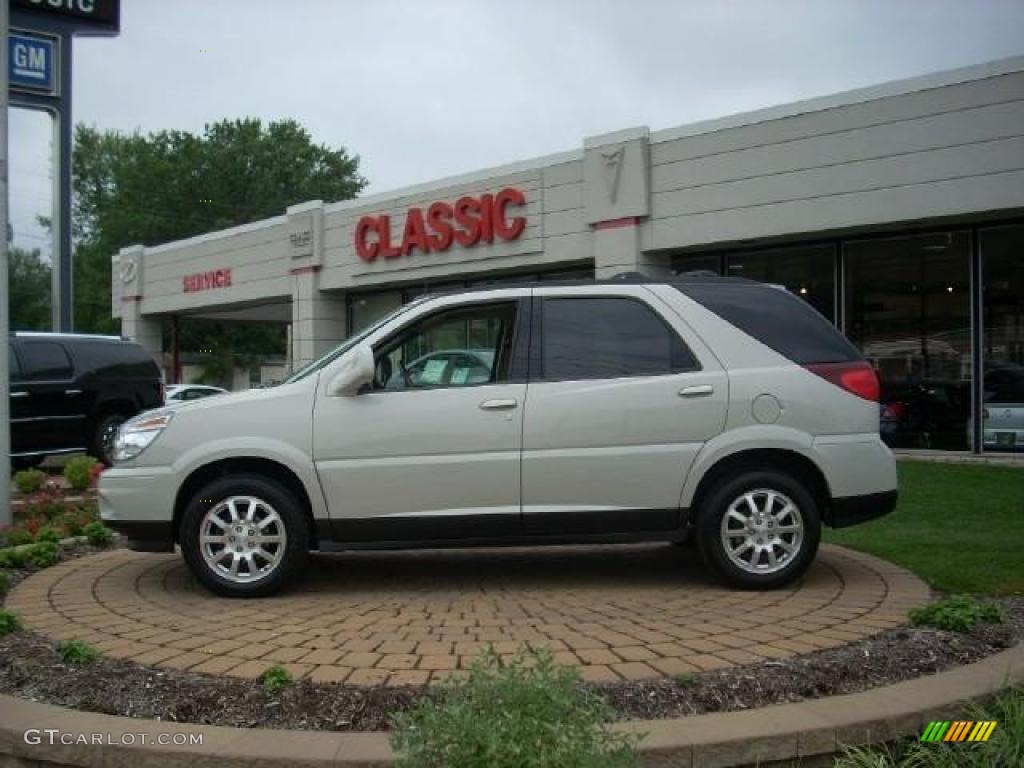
(357, 370)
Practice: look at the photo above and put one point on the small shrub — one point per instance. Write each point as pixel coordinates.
(14, 557)
(95, 471)
(44, 554)
(74, 521)
(5, 583)
(17, 535)
(275, 677)
(528, 712)
(9, 622)
(955, 614)
(44, 505)
(76, 652)
(49, 533)
(98, 534)
(29, 480)
(78, 472)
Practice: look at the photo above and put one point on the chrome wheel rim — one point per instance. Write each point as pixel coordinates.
(242, 539)
(762, 531)
(108, 438)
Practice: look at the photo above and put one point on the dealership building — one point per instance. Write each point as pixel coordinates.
(897, 211)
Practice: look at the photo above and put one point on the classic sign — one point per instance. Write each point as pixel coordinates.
(205, 281)
(96, 16)
(468, 221)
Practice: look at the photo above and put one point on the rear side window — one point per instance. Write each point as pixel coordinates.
(774, 317)
(13, 364)
(604, 338)
(115, 360)
(44, 361)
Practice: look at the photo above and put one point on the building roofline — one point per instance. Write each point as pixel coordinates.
(888, 89)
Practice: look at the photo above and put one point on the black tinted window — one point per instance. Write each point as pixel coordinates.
(43, 360)
(115, 360)
(603, 338)
(774, 317)
(12, 363)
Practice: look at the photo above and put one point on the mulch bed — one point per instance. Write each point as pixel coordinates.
(31, 669)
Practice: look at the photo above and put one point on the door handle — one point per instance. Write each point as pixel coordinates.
(498, 405)
(697, 391)
(72, 391)
(19, 394)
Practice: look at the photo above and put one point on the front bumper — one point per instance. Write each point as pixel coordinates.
(139, 504)
(851, 510)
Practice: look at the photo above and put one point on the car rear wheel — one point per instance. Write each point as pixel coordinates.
(759, 530)
(244, 536)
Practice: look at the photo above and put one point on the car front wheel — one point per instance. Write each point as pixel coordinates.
(759, 530)
(244, 536)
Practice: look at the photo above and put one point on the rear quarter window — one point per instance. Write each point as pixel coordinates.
(112, 360)
(44, 361)
(776, 318)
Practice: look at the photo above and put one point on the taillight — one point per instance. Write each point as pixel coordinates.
(858, 377)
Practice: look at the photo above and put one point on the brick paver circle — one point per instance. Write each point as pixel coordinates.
(400, 618)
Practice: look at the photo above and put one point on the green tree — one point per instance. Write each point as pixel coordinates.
(29, 281)
(149, 189)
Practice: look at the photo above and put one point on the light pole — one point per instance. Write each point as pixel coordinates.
(5, 305)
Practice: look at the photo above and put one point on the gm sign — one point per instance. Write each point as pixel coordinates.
(32, 63)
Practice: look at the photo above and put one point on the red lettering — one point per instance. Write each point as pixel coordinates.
(387, 250)
(367, 250)
(439, 216)
(505, 229)
(469, 235)
(415, 234)
(227, 277)
(487, 218)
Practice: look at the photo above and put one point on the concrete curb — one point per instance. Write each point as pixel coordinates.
(780, 732)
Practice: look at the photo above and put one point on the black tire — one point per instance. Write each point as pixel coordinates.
(281, 500)
(103, 434)
(715, 507)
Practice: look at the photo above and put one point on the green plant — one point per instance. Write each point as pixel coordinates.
(98, 534)
(49, 533)
(74, 521)
(29, 480)
(1004, 748)
(44, 554)
(5, 583)
(14, 557)
(18, 535)
(686, 679)
(78, 472)
(76, 652)
(955, 614)
(275, 677)
(9, 622)
(526, 713)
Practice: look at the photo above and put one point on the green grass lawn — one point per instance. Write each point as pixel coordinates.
(958, 527)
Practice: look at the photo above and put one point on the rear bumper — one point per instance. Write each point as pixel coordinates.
(851, 510)
(145, 535)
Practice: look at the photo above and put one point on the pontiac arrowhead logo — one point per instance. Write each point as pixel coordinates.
(612, 162)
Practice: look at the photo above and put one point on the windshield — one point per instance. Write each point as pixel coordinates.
(346, 345)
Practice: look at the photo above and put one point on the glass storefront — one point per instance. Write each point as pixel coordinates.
(906, 301)
(908, 308)
(1002, 268)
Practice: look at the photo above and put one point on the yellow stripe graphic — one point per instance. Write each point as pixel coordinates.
(988, 731)
(976, 732)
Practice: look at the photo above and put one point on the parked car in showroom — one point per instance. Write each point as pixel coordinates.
(1003, 423)
(183, 393)
(70, 393)
(616, 411)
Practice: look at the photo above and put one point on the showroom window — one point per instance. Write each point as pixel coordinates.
(603, 338)
(806, 271)
(364, 310)
(908, 309)
(1002, 264)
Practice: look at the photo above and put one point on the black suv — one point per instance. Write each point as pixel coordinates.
(70, 393)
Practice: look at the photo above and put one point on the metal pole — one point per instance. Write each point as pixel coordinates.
(5, 312)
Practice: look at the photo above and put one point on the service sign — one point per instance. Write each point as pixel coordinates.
(32, 63)
(95, 16)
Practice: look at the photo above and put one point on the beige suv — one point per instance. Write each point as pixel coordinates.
(620, 411)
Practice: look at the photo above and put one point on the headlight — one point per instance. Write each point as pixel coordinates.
(137, 435)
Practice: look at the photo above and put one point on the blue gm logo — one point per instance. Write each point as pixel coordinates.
(32, 62)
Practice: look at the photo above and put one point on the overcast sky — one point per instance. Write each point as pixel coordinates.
(421, 89)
